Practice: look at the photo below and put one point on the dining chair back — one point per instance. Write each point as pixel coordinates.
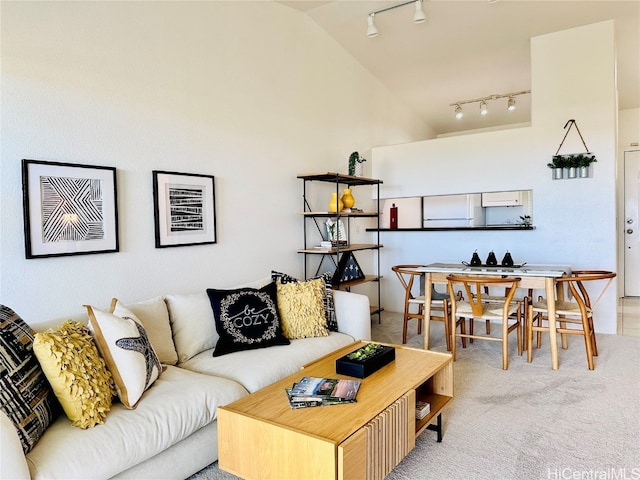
(414, 299)
(479, 306)
(576, 310)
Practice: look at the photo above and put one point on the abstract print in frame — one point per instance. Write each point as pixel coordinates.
(69, 209)
(184, 209)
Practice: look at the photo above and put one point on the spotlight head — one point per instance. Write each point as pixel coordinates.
(459, 113)
(511, 104)
(419, 16)
(372, 31)
(483, 108)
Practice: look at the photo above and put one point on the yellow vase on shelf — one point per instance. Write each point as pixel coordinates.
(347, 198)
(335, 205)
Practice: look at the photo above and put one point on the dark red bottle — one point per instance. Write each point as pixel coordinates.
(393, 217)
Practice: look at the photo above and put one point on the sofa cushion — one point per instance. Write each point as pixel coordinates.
(255, 369)
(124, 345)
(154, 316)
(246, 318)
(178, 404)
(328, 301)
(77, 373)
(301, 309)
(26, 398)
(192, 324)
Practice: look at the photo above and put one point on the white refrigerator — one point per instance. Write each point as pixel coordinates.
(463, 210)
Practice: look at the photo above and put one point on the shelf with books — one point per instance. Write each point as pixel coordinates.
(318, 259)
(436, 402)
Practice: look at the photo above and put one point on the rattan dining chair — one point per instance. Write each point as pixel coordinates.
(578, 312)
(414, 303)
(499, 309)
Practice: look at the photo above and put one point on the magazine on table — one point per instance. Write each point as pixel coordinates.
(326, 387)
(317, 391)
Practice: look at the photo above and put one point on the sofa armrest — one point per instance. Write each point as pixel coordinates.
(13, 464)
(353, 314)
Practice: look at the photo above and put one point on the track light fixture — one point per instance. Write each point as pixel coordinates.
(418, 16)
(372, 31)
(484, 110)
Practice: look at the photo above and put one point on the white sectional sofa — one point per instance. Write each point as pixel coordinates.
(171, 434)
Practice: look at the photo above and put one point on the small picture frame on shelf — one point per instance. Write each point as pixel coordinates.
(348, 269)
(336, 233)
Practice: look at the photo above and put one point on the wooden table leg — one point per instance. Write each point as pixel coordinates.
(426, 324)
(551, 310)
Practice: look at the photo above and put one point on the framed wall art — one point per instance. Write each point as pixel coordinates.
(69, 209)
(184, 209)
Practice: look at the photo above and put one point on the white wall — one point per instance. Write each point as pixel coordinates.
(572, 77)
(251, 92)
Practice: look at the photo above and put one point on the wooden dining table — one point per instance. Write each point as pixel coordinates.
(535, 277)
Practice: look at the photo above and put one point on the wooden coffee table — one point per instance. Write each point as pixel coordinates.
(261, 437)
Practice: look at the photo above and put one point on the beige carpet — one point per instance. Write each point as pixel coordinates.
(528, 422)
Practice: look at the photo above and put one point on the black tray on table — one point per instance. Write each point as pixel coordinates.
(484, 265)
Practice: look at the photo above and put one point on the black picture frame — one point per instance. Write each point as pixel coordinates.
(69, 209)
(184, 206)
(348, 269)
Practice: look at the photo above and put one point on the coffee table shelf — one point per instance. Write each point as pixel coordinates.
(260, 436)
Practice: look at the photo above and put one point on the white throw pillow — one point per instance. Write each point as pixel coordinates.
(154, 316)
(192, 323)
(127, 351)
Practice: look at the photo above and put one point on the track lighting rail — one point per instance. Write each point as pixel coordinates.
(392, 7)
(511, 103)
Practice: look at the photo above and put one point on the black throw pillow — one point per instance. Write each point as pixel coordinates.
(246, 318)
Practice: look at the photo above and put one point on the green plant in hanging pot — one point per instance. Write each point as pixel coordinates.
(557, 166)
(355, 164)
(583, 161)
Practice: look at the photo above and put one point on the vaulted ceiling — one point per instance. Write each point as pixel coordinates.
(470, 49)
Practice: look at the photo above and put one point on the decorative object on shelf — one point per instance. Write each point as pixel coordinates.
(507, 261)
(69, 209)
(525, 220)
(365, 360)
(184, 209)
(348, 269)
(393, 217)
(347, 199)
(492, 261)
(571, 165)
(336, 233)
(335, 204)
(355, 164)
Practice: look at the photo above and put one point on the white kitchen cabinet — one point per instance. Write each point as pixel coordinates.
(504, 199)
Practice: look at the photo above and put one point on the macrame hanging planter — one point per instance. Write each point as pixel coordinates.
(574, 164)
